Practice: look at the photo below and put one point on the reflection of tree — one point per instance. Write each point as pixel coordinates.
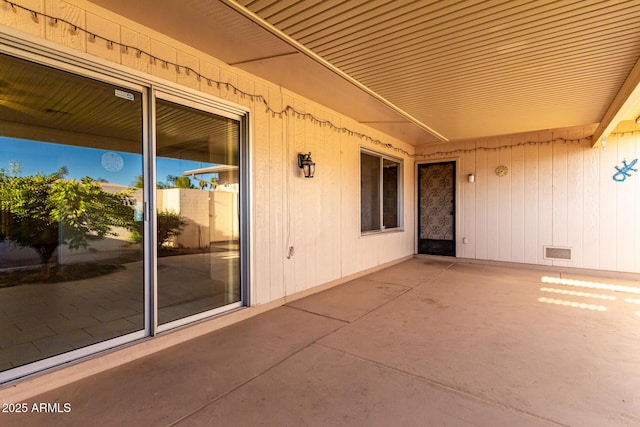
(45, 211)
(170, 224)
(179, 181)
(139, 182)
(204, 184)
(173, 182)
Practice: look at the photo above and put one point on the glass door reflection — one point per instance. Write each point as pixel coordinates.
(71, 263)
(197, 217)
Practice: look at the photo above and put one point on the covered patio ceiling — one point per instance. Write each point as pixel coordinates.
(427, 71)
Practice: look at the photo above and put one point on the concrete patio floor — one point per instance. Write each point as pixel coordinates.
(428, 342)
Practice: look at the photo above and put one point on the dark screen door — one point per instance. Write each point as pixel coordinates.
(436, 209)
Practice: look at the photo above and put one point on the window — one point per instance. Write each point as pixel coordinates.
(380, 192)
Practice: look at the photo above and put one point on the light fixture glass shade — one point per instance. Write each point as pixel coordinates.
(309, 169)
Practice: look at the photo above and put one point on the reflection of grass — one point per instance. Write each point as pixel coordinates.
(57, 274)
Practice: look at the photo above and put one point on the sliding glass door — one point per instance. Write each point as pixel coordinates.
(197, 209)
(71, 268)
(121, 210)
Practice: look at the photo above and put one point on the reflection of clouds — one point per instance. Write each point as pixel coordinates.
(573, 304)
(592, 285)
(578, 293)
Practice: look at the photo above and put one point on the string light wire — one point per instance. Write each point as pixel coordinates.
(124, 48)
(287, 110)
(505, 147)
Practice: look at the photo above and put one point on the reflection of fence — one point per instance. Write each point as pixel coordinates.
(210, 216)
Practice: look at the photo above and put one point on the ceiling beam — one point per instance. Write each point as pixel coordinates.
(625, 106)
(308, 53)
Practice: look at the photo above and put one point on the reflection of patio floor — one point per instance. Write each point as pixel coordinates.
(426, 342)
(43, 320)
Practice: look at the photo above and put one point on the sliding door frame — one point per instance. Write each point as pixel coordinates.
(47, 53)
(208, 106)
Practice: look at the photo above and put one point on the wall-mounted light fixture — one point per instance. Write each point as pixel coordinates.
(306, 164)
(638, 120)
(471, 178)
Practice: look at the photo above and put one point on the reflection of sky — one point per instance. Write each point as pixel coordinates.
(46, 158)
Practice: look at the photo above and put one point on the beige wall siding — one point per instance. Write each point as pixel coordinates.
(556, 194)
(318, 217)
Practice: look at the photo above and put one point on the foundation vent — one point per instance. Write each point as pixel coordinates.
(554, 252)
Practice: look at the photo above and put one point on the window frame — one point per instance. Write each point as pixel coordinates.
(381, 192)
